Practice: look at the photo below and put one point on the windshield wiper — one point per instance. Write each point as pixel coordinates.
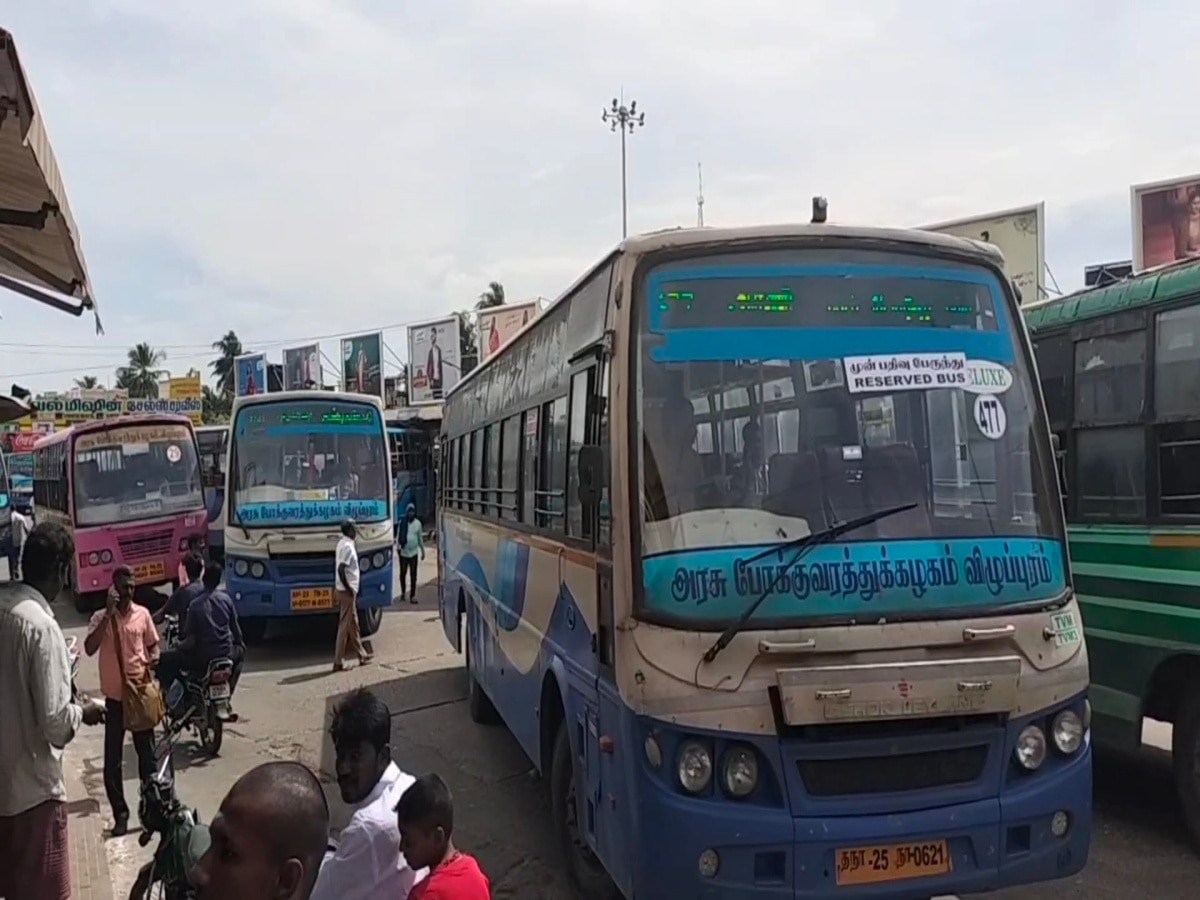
(802, 545)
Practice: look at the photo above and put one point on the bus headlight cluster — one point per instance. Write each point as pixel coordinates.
(255, 569)
(740, 771)
(1031, 748)
(104, 556)
(1067, 732)
(695, 767)
(377, 560)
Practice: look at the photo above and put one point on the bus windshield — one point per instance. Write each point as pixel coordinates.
(308, 462)
(819, 387)
(213, 443)
(135, 472)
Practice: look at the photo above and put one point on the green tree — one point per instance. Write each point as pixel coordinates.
(87, 382)
(492, 297)
(140, 376)
(216, 407)
(228, 349)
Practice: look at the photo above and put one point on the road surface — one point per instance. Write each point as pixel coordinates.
(287, 691)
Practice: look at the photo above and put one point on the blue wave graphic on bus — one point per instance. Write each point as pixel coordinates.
(507, 595)
(865, 578)
(306, 512)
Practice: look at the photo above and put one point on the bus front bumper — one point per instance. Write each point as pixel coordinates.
(766, 853)
(262, 597)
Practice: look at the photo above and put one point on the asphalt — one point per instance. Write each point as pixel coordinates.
(287, 690)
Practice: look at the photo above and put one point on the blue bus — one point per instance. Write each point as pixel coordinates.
(213, 441)
(753, 540)
(300, 462)
(414, 477)
(20, 476)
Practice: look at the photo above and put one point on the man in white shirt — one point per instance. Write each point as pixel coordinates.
(21, 526)
(345, 584)
(367, 862)
(40, 720)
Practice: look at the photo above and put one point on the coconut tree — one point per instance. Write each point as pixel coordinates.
(87, 382)
(493, 296)
(228, 348)
(140, 375)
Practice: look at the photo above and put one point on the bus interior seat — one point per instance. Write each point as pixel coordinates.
(796, 488)
(844, 488)
(87, 475)
(895, 477)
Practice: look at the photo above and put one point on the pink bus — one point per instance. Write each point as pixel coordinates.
(129, 490)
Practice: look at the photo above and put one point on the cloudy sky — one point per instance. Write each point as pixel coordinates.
(295, 169)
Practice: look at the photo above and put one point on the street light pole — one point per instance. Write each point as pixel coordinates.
(624, 119)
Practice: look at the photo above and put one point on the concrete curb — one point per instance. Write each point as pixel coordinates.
(90, 877)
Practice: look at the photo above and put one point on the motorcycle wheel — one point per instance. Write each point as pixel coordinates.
(212, 733)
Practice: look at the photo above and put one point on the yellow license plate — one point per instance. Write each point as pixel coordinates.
(149, 571)
(312, 598)
(892, 862)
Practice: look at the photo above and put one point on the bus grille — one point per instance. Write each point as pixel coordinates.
(892, 774)
(148, 545)
(305, 566)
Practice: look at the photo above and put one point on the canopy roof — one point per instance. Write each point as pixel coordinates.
(40, 254)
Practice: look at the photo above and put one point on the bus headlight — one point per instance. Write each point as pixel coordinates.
(1031, 748)
(378, 560)
(740, 771)
(364, 564)
(106, 556)
(183, 545)
(695, 767)
(1067, 732)
(241, 567)
(93, 558)
(258, 570)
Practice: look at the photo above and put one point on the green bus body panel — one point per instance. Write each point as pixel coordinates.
(1153, 288)
(1141, 606)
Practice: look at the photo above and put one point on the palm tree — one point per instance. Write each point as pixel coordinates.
(228, 349)
(215, 407)
(140, 376)
(87, 382)
(493, 296)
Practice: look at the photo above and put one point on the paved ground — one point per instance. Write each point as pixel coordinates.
(287, 691)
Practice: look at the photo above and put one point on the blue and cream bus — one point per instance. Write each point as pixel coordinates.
(300, 462)
(753, 541)
(213, 441)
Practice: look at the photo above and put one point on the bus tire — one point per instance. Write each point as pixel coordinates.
(584, 870)
(254, 630)
(479, 706)
(369, 620)
(1185, 757)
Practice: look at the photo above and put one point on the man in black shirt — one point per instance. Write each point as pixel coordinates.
(178, 605)
(210, 631)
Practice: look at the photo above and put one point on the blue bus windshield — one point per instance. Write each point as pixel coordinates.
(308, 462)
(819, 387)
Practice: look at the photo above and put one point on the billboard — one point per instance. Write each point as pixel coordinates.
(250, 374)
(1166, 222)
(434, 362)
(187, 395)
(497, 325)
(362, 364)
(1021, 236)
(302, 368)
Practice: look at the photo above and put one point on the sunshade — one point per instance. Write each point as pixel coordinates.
(12, 408)
(40, 255)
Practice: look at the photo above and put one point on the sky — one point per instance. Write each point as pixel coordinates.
(303, 169)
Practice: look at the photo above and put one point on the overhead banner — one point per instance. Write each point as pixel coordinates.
(434, 361)
(1021, 236)
(362, 364)
(187, 395)
(251, 374)
(1166, 222)
(498, 324)
(302, 368)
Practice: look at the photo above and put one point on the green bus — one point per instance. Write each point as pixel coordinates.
(1120, 372)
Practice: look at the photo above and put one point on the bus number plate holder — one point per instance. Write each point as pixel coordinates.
(312, 598)
(891, 862)
(147, 571)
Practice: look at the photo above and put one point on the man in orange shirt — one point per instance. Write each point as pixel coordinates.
(126, 628)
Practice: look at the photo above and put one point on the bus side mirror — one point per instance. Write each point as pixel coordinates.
(591, 474)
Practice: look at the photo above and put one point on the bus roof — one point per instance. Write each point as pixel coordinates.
(727, 239)
(1148, 289)
(107, 424)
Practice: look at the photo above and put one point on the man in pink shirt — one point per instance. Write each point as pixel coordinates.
(138, 646)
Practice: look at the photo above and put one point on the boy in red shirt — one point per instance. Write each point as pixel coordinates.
(425, 816)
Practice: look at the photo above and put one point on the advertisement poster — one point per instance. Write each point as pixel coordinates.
(434, 366)
(362, 364)
(1021, 236)
(1166, 222)
(498, 324)
(251, 374)
(186, 395)
(302, 368)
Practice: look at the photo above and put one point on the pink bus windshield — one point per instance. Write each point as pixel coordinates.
(135, 472)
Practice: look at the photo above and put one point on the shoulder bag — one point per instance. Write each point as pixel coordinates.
(142, 704)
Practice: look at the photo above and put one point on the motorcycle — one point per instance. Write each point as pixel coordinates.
(200, 703)
(182, 837)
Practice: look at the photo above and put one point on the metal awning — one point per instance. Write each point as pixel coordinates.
(40, 255)
(13, 408)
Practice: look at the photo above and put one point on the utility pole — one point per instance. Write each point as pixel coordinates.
(624, 118)
(700, 196)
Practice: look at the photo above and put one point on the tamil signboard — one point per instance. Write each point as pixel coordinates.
(434, 361)
(1021, 236)
(497, 325)
(1166, 221)
(186, 394)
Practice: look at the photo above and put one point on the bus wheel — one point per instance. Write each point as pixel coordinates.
(254, 630)
(1185, 755)
(586, 872)
(479, 707)
(369, 620)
